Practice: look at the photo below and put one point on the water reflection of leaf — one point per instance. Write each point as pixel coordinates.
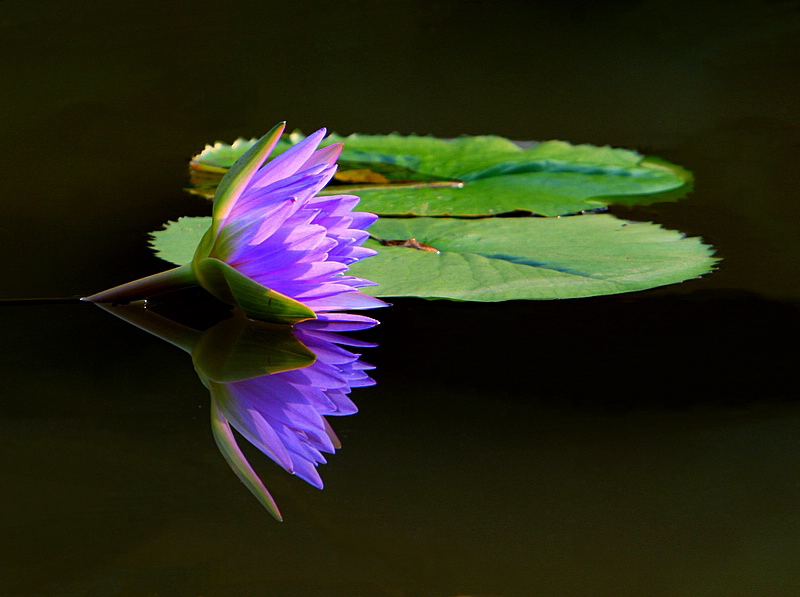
(274, 384)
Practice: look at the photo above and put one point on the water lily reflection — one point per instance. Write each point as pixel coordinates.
(274, 384)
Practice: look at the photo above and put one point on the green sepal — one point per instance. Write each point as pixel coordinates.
(240, 348)
(257, 301)
(226, 442)
(236, 179)
(206, 243)
(148, 287)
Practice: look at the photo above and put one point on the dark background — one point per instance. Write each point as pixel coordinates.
(628, 445)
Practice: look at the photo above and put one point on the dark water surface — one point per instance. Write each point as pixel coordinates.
(644, 444)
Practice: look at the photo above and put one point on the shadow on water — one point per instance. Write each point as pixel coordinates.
(656, 350)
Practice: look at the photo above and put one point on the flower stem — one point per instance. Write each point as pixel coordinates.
(173, 279)
(41, 301)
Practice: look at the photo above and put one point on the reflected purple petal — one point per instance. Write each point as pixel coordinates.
(283, 414)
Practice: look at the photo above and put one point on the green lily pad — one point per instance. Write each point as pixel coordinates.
(498, 259)
(478, 176)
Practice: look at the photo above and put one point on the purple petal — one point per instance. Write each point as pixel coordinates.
(284, 237)
(339, 322)
(289, 162)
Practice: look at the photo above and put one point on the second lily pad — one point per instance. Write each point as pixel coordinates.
(477, 176)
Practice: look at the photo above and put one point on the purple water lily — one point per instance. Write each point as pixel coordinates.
(274, 248)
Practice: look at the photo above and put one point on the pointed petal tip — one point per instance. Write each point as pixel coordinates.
(277, 130)
(319, 133)
(336, 149)
(316, 137)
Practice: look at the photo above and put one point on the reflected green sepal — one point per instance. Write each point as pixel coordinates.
(226, 442)
(240, 348)
(257, 301)
(162, 327)
(235, 349)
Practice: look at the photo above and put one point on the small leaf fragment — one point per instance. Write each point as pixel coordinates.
(178, 240)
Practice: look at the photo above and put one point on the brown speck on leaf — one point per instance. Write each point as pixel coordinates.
(360, 176)
(411, 243)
